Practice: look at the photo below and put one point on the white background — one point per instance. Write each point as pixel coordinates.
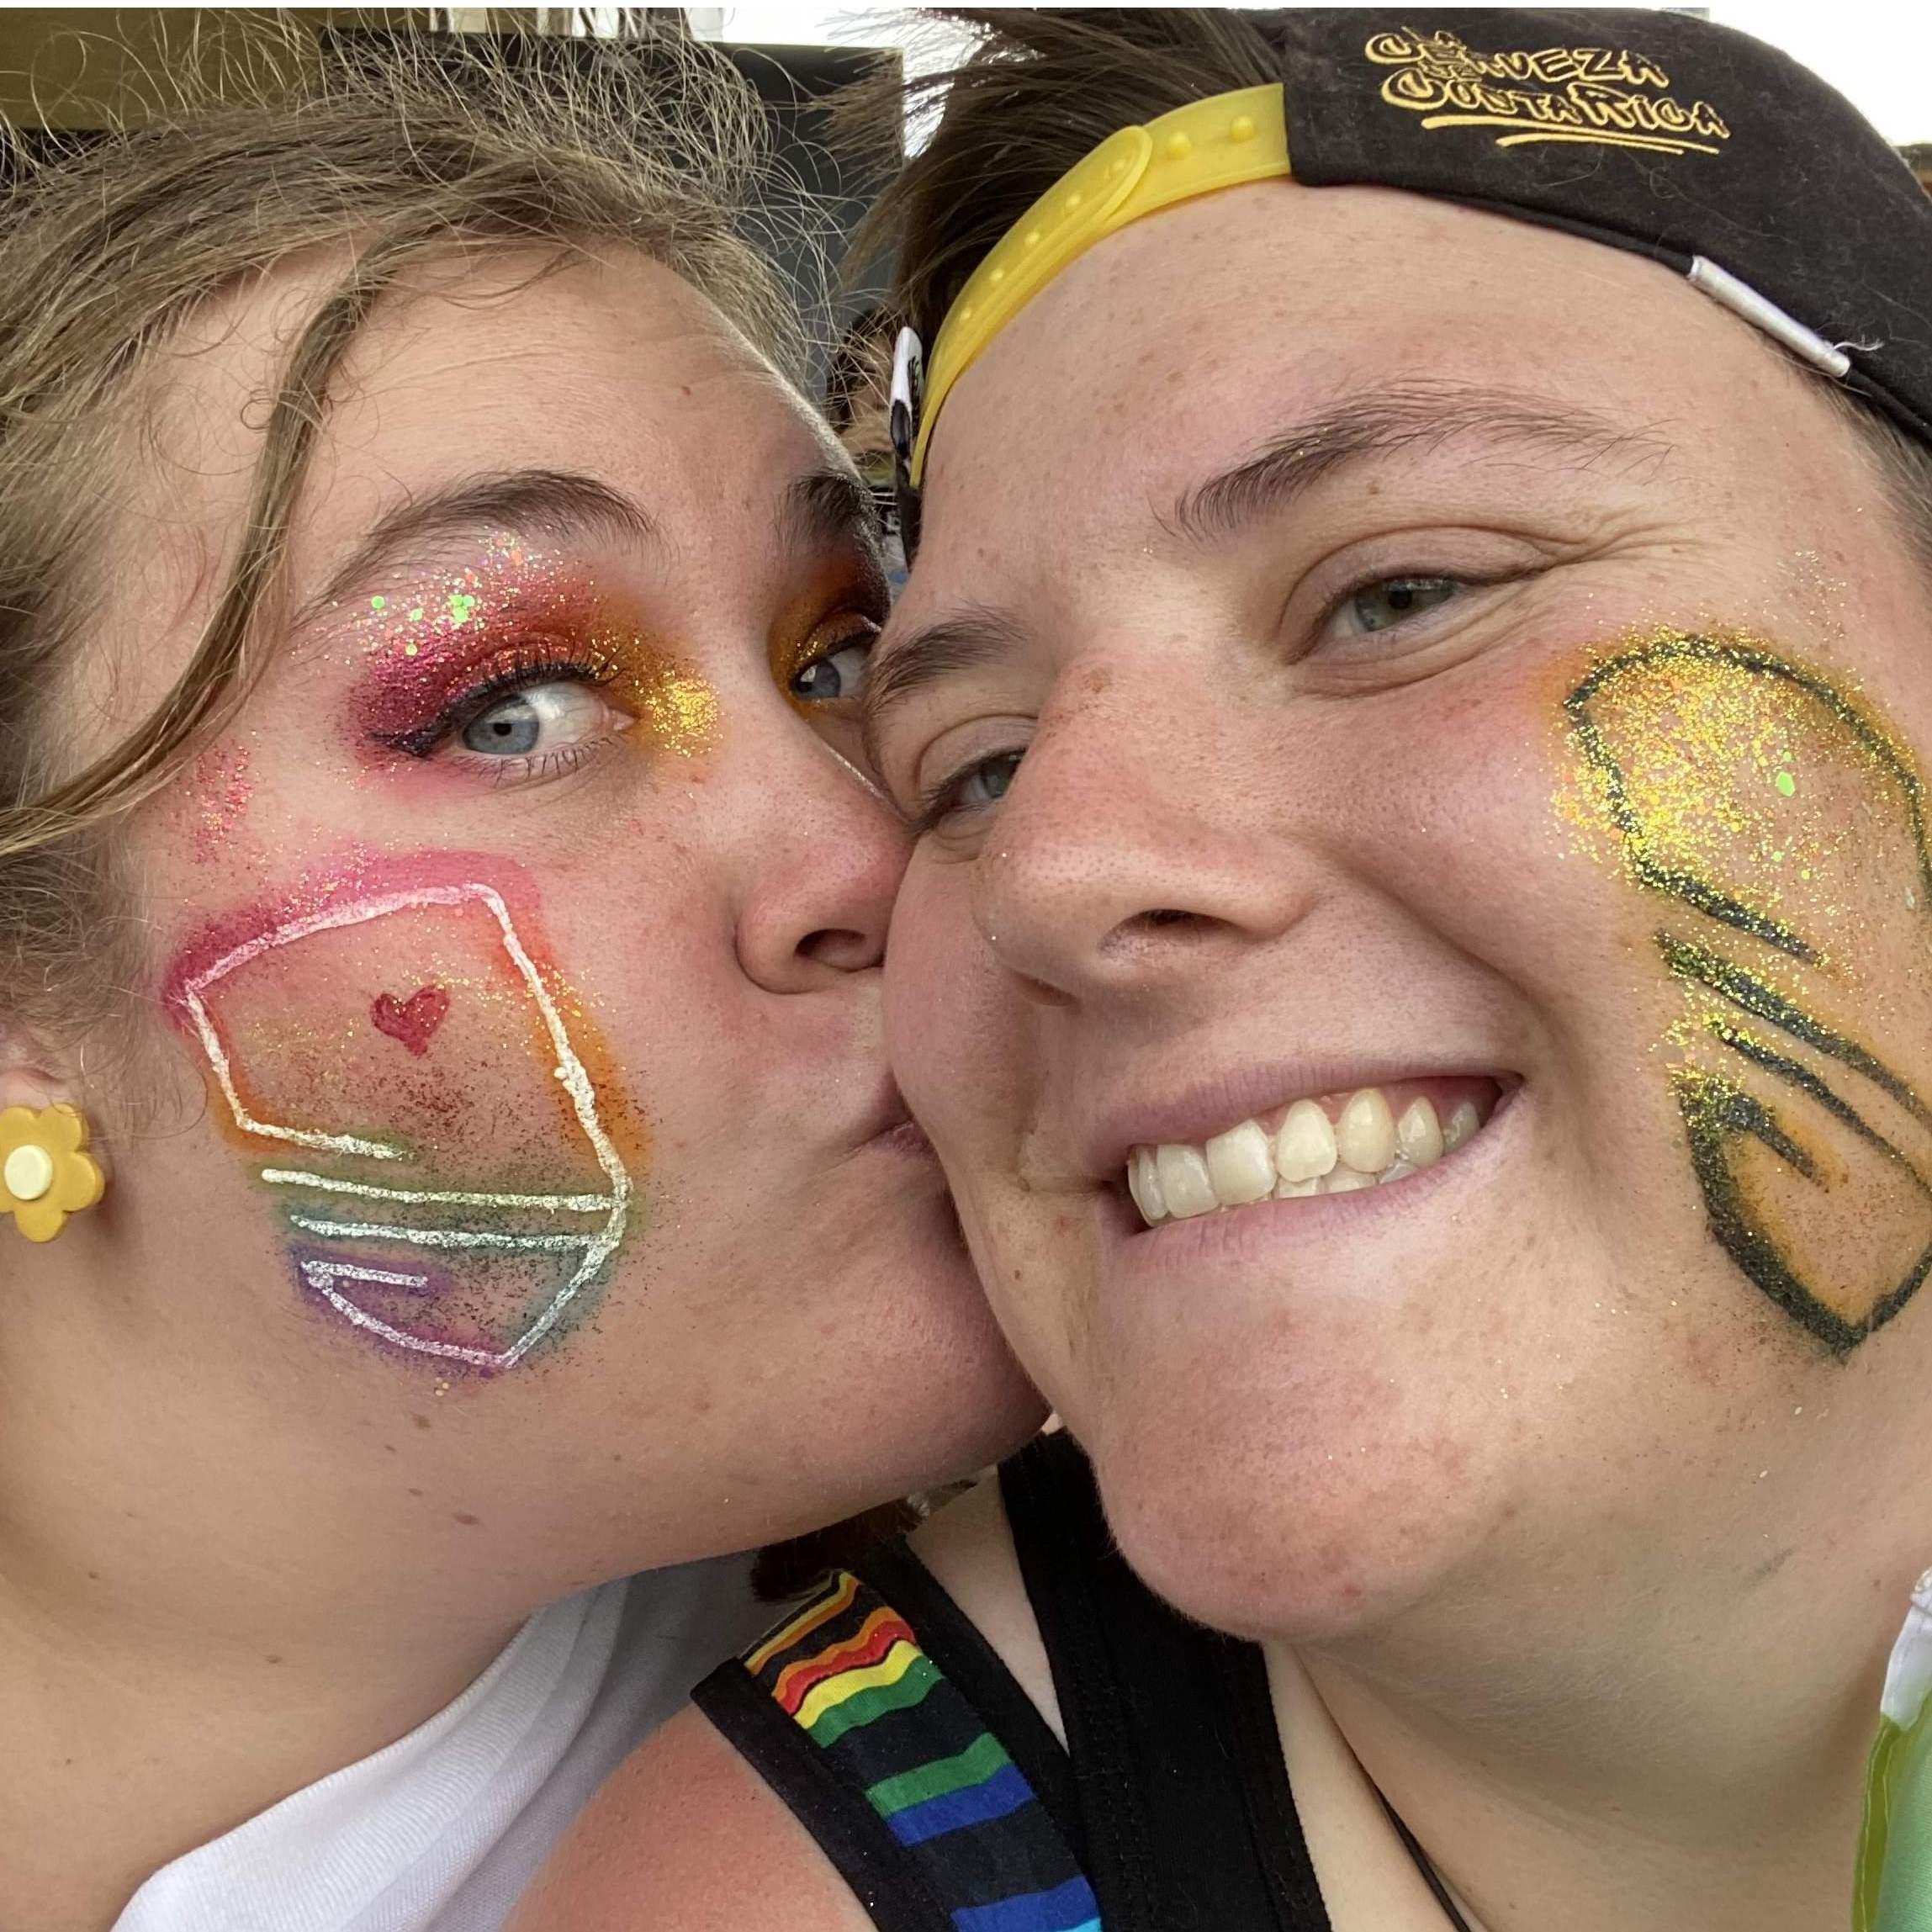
(1880, 55)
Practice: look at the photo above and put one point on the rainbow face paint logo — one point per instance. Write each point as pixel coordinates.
(403, 1071)
(1783, 828)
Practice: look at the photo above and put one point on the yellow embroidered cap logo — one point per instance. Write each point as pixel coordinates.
(1547, 94)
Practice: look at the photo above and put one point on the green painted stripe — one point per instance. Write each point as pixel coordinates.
(983, 1759)
(868, 1704)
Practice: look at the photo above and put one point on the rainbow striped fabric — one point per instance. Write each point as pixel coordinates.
(848, 1670)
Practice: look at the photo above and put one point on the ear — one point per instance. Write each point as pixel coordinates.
(36, 1073)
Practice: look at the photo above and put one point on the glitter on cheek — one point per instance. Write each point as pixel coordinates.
(450, 1149)
(221, 786)
(1777, 826)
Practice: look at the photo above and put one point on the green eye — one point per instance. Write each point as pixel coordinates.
(1377, 606)
(987, 784)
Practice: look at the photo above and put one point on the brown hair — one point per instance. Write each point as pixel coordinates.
(437, 148)
(1045, 87)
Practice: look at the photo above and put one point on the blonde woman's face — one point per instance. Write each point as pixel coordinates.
(519, 942)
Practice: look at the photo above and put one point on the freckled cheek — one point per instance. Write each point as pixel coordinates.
(943, 1006)
(1452, 814)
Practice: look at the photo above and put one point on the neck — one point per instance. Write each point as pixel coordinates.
(191, 1630)
(130, 1743)
(1655, 1767)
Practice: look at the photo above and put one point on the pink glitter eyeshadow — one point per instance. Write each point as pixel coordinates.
(513, 617)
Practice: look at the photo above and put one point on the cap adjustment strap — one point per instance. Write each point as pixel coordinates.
(1224, 141)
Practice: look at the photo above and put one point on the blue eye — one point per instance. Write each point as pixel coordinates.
(544, 718)
(837, 676)
(509, 729)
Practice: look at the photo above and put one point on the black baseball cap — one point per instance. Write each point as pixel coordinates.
(1691, 144)
(1659, 133)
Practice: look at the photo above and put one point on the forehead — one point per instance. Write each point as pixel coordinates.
(612, 367)
(1175, 347)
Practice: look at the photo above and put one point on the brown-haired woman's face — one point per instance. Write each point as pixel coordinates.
(1399, 696)
(522, 933)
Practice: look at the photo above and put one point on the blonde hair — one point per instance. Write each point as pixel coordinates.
(442, 146)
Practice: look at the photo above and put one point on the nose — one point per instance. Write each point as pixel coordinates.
(1141, 843)
(822, 857)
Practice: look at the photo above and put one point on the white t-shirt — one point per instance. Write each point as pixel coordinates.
(441, 1831)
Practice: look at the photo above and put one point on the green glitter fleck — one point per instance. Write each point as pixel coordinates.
(378, 603)
(415, 615)
(462, 604)
(1785, 783)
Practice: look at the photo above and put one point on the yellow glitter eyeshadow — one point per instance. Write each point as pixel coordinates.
(680, 708)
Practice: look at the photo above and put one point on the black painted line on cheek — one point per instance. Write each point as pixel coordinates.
(1716, 1111)
(1744, 990)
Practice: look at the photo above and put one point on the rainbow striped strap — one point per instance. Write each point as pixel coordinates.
(892, 1733)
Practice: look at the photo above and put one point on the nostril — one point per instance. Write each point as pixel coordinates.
(840, 949)
(1166, 916)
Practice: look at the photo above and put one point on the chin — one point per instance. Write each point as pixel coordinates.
(1303, 1509)
(919, 1388)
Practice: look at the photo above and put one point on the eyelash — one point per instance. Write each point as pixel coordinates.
(931, 809)
(531, 670)
(864, 629)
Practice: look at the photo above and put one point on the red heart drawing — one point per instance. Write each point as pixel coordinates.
(414, 1020)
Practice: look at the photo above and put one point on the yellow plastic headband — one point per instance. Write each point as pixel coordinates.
(1223, 141)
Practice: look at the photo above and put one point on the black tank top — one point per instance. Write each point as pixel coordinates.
(888, 1726)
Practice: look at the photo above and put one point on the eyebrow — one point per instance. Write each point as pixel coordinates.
(829, 506)
(1395, 420)
(821, 507)
(959, 641)
(554, 503)
(1367, 428)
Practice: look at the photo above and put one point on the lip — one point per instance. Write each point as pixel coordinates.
(1205, 1107)
(908, 1137)
(891, 1126)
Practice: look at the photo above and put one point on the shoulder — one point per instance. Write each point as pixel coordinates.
(684, 1834)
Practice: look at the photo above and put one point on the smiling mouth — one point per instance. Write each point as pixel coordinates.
(1328, 1143)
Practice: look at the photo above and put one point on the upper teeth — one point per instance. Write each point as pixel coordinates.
(1307, 1154)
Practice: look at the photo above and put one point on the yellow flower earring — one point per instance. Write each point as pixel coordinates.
(45, 1172)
